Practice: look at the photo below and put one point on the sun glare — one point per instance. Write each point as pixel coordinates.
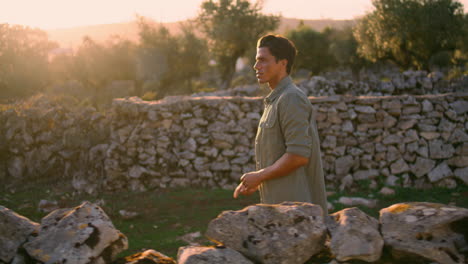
(51, 14)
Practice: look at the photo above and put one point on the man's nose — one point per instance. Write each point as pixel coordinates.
(255, 66)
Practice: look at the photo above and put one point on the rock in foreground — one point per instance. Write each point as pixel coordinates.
(286, 233)
(354, 236)
(80, 235)
(430, 231)
(14, 231)
(210, 255)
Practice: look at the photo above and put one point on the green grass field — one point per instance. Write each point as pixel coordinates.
(166, 215)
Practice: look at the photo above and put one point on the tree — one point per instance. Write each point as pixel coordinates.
(409, 32)
(23, 61)
(169, 62)
(232, 26)
(343, 47)
(193, 55)
(313, 49)
(95, 65)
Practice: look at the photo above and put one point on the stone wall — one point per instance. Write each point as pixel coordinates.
(381, 82)
(207, 141)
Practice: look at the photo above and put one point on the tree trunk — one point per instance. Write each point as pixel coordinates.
(228, 71)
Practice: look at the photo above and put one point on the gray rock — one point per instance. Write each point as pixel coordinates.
(128, 214)
(354, 201)
(392, 180)
(354, 236)
(441, 171)
(425, 231)
(430, 135)
(352, 114)
(458, 161)
(387, 191)
(462, 149)
(392, 139)
(14, 231)
(137, 171)
(446, 125)
(46, 206)
(77, 235)
(241, 160)
(460, 106)
(427, 106)
(462, 174)
(222, 140)
(422, 166)
(329, 142)
(221, 166)
(347, 126)
(210, 255)
(285, 233)
(399, 166)
(346, 182)
(365, 174)
(439, 150)
(426, 128)
(458, 136)
(411, 136)
(393, 154)
(389, 121)
(190, 145)
(407, 124)
(423, 151)
(149, 256)
(364, 109)
(343, 165)
(16, 167)
(409, 110)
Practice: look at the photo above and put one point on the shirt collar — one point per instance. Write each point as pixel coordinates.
(285, 82)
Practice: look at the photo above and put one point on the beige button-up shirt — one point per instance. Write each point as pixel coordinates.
(288, 126)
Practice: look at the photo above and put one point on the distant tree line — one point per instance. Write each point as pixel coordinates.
(419, 34)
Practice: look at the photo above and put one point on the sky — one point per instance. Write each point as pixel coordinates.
(52, 14)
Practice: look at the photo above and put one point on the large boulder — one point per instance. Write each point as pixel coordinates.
(14, 231)
(290, 232)
(210, 255)
(83, 234)
(426, 231)
(354, 236)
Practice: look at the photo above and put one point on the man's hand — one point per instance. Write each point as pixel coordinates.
(252, 179)
(241, 189)
(249, 183)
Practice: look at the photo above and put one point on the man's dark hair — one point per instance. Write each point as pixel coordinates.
(280, 47)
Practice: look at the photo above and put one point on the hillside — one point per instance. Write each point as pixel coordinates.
(71, 37)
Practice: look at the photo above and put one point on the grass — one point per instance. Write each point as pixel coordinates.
(166, 215)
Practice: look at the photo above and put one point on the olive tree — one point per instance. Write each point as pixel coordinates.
(232, 27)
(410, 32)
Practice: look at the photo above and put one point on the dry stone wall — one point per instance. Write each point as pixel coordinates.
(405, 140)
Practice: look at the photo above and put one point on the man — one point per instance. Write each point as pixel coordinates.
(287, 149)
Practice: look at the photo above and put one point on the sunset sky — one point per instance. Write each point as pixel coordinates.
(50, 14)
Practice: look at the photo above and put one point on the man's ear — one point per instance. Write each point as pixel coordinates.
(284, 62)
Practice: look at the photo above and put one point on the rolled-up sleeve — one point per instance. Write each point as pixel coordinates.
(294, 110)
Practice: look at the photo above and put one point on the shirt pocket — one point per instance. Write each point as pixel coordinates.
(269, 117)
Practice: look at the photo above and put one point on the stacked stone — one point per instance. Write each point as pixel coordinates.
(373, 84)
(407, 141)
(408, 82)
(181, 142)
(46, 138)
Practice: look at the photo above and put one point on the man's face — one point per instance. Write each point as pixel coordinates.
(266, 67)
